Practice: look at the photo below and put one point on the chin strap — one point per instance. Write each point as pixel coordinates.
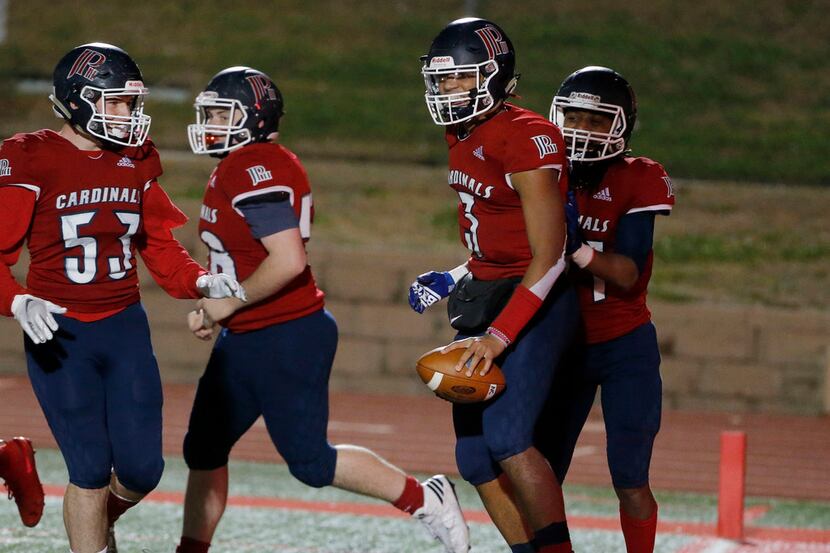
(466, 128)
(588, 174)
(59, 109)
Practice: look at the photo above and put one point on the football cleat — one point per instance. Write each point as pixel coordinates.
(442, 515)
(18, 470)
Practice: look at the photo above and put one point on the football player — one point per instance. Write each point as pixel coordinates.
(273, 356)
(85, 199)
(508, 166)
(19, 472)
(611, 231)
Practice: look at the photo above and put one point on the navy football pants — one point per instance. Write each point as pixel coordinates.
(98, 385)
(280, 372)
(489, 432)
(627, 369)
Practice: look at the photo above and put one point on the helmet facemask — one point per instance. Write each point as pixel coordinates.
(450, 109)
(218, 138)
(124, 130)
(584, 145)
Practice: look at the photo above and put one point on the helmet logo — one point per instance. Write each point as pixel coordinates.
(262, 87)
(439, 62)
(493, 41)
(586, 97)
(86, 65)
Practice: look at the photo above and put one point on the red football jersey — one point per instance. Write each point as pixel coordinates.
(631, 185)
(490, 218)
(250, 171)
(87, 217)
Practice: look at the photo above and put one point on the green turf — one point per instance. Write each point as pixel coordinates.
(155, 527)
(732, 90)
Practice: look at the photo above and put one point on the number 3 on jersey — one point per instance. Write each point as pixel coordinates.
(470, 235)
(82, 270)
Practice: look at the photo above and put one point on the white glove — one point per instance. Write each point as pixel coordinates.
(35, 316)
(220, 286)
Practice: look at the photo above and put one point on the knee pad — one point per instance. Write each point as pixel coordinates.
(503, 445)
(90, 479)
(89, 468)
(474, 462)
(200, 454)
(141, 477)
(317, 472)
(629, 460)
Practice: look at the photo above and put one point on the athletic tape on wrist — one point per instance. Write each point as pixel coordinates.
(583, 256)
(458, 273)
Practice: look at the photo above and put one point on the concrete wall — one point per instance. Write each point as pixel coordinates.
(714, 357)
(744, 358)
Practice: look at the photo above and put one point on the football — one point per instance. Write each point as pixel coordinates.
(437, 370)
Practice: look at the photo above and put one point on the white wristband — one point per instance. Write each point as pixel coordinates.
(583, 256)
(499, 335)
(459, 272)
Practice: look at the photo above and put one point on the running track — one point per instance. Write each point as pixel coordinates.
(789, 456)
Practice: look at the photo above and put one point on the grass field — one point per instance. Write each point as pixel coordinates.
(272, 512)
(730, 91)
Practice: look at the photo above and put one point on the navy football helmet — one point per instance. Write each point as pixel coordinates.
(602, 90)
(254, 106)
(88, 76)
(469, 47)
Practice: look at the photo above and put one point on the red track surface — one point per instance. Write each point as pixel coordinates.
(788, 456)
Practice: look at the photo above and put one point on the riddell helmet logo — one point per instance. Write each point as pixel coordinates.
(86, 65)
(262, 87)
(207, 96)
(585, 97)
(439, 62)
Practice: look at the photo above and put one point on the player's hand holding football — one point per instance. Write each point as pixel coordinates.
(486, 347)
(36, 317)
(430, 288)
(220, 286)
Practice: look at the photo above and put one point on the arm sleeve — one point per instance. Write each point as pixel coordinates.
(268, 213)
(167, 260)
(635, 237)
(16, 208)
